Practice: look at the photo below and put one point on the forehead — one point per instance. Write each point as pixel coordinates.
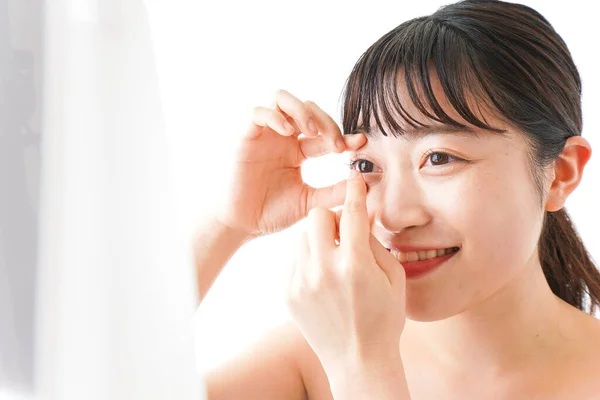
(421, 125)
(419, 133)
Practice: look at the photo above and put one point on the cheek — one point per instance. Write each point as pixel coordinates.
(498, 222)
(372, 205)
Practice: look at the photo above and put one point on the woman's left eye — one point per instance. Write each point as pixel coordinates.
(439, 158)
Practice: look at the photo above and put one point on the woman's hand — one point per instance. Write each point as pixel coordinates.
(348, 300)
(266, 192)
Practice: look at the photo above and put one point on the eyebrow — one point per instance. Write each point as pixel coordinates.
(419, 133)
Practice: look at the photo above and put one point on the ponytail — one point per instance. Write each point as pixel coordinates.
(568, 267)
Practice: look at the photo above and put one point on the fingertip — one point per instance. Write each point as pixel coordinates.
(356, 177)
(339, 145)
(354, 174)
(356, 191)
(354, 141)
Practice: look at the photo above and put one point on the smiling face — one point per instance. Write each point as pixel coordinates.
(444, 189)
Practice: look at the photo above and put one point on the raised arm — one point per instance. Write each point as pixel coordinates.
(214, 244)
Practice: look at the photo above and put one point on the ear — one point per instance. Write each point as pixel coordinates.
(568, 171)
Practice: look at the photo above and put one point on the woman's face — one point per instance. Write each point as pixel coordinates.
(481, 198)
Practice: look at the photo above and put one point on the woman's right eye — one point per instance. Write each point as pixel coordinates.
(362, 166)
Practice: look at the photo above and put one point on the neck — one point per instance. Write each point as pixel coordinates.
(515, 327)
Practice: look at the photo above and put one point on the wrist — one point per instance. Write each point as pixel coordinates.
(235, 235)
(213, 245)
(361, 368)
(367, 379)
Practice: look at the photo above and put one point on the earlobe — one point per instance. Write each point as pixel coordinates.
(556, 199)
(568, 171)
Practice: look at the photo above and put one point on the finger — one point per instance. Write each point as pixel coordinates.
(263, 117)
(330, 131)
(319, 146)
(288, 104)
(338, 216)
(388, 263)
(354, 223)
(321, 231)
(325, 197)
(312, 147)
(297, 130)
(354, 141)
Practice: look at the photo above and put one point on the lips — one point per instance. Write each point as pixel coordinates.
(415, 269)
(406, 254)
(406, 248)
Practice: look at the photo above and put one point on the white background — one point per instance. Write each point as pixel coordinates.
(217, 60)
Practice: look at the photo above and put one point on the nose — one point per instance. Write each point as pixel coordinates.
(399, 205)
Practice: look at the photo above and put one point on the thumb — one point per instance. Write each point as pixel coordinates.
(387, 262)
(326, 197)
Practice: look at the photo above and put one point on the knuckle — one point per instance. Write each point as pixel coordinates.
(355, 205)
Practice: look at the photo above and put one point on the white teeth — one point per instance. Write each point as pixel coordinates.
(421, 255)
(412, 256)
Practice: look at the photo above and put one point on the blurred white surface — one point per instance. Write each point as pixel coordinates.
(116, 288)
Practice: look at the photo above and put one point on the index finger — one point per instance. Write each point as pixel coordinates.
(354, 222)
(329, 129)
(290, 105)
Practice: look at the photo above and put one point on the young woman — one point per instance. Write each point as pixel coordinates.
(453, 270)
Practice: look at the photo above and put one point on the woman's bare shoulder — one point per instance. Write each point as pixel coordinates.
(268, 369)
(580, 370)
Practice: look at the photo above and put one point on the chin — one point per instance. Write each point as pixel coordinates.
(423, 311)
(425, 317)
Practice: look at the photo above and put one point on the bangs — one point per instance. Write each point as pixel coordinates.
(413, 52)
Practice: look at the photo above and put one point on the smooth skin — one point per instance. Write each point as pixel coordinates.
(301, 359)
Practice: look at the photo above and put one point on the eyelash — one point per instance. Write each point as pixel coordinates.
(353, 162)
